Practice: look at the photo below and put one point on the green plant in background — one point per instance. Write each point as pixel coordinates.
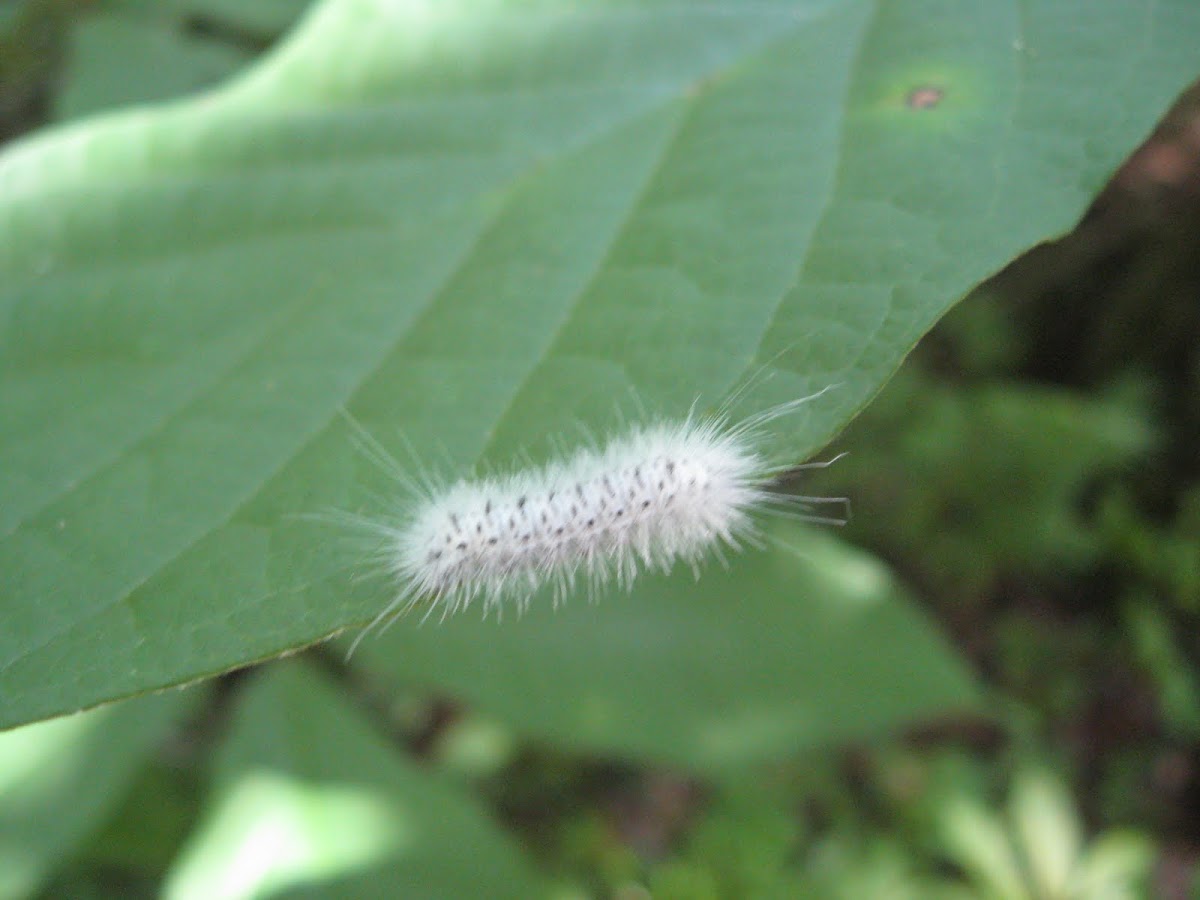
(987, 475)
(1037, 850)
(476, 225)
(952, 841)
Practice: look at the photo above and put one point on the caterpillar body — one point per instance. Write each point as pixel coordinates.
(657, 495)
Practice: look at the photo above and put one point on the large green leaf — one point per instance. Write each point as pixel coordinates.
(310, 801)
(480, 224)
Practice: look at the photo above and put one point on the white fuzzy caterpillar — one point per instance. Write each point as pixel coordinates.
(660, 494)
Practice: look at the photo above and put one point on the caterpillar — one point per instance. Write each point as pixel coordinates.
(659, 494)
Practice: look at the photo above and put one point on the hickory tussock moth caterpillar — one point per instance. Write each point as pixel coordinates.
(661, 493)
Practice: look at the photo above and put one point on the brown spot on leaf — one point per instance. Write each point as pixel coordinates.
(925, 97)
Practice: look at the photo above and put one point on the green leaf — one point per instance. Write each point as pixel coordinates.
(1046, 829)
(261, 17)
(308, 796)
(138, 51)
(117, 60)
(478, 225)
(58, 779)
(801, 645)
(1118, 864)
(977, 841)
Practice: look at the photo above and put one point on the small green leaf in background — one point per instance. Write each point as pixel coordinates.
(308, 797)
(58, 780)
(139, 51)
(475, 227)
(265, 18)
(1038, 849)
(117, 61)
